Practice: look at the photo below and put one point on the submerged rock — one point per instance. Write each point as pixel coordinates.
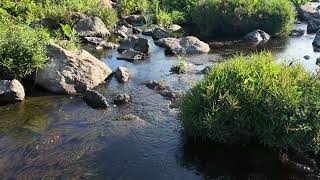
(136, 20)
(128, 117)
(182, 68)
(256, 37)
(91, 26)
(122, 74)
(122, 99)
(95, 99)
(297, 32)
(70, 72)
(134, 43)
(11, 91)
(187, 45)
(159, 33)
(156, 85)
(131, 56)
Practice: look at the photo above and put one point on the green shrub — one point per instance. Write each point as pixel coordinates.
(238, 17)
(22, 50)
(128, 7)
(253, 99)
(299, 2)
(19, 10)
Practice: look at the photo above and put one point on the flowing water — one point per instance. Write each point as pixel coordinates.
(60, 137)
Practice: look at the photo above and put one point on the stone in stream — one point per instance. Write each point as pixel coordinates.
(11, 91)
(318, 61)
(156, 85)
(172, 95)
(91, 26)
(148, 32)
(128, 117)
(256, 37)
(159, 33)
(136, 30)
(182, 68)
(122, 31)
(136, 20)
(122, 74)
(297, 32)
(313, 26)
(174, 28)
(206, 70)
(122, 99)
(95, 99)
(308, 12)
(134, 43)
(186, 45)
(306, 57)
(71, 72)
(131, 56)
(316, 42)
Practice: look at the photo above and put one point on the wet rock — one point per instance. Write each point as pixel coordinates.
(136, 20)
(307, 12)
(316, 42)
(98, 48)
(187, 45)
(297, 32)
(159, 33)
(313, 26)
(134, 43)
(123, 22)
(318, 61)
(131, 56)
(122, 74)
(121, 31)
(148, 32)
(172, 95)
(11, 91)
(95, 99)
(182, 68)
(122, 99)
(136, 30)
(109, 45)
(256, 37)
(307, 57)
(91, 26)
(156, 85)
(174, 28)
(206, 70)
(128, 117)
(102, 44)
(70, 72)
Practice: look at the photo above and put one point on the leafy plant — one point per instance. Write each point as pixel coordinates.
(251, 99)
(299, 2)
(128, 7)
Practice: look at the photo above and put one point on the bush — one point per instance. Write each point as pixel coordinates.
(19, 10)
(22, 50)
(128, 7)
(253, 99)
(238, 17)
(299, 2)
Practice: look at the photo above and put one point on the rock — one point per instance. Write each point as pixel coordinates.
(313, 26)
(316, 42)
(101, 43)
(128, 117)
(148, 32)
(206, 70)
(123, 22)
(91, 26)
(156, 85)
(159, 33)
(256, 37)
(297, 32)
(109, 45)
(122, 74)
(47, 23)
(70, 72)
(172, 95)
(95, 99)
(122, 31)
(98, 48)
(122, 99)
(136, 20)
(131, 56)
(136, 30)
(307, 57)
(174, 28)
(318, 61)
(11, 91)
(134, 43)
(307, 12)
(182, 68)
(187, 45)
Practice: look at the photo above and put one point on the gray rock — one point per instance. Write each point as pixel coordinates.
(123, 22)
(122, 74)
(318, 61)
(182, 68)
(256, 37)
(136, 20)
(109, 45)
(131, 56)
(102, 44)
(70, 72)
(316, 42)
(122, 31)
(297, 32)
(122, 99)
(313, 26)
(307, 57)
(45, 23)
(11, 91)
(135, 43)
(206, 70)
(187, 45)
(159, 33)
(91, 26)
(136, 30)
(156, 85)
(174, 28)
(172, 95)
(148, 32)
(95, 99)
(308, 12)
(76, 17)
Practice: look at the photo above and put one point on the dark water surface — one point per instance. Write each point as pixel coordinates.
(60, 137)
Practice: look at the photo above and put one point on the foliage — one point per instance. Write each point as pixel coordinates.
(230, 17)
(20, 10)
(299, 2)
(128, 7)
(22, 50)
(254, 99)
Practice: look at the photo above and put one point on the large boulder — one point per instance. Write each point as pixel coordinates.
(131, 56)
(11, 91)
(316, 42)
(256, 37)
(136, 20)
(308, 12)
(69, 72)
(91, 26)
(159, 33)
(313, 26)
(95, 99)
(186, 45)
(135, 43)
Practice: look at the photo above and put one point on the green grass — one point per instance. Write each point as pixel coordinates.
(251, 99)
(238, 17)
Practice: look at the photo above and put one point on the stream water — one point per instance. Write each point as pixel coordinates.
(60, 137)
